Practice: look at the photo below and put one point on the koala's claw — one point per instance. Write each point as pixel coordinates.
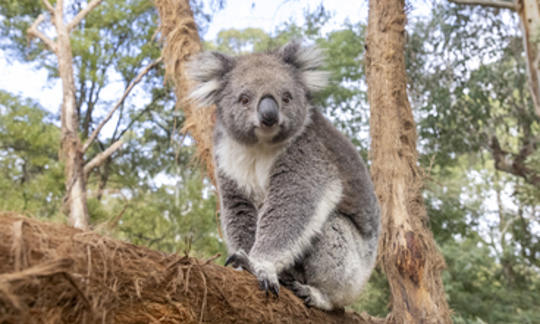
(311, 296)
(239, 259)
(275, 289)
(302, 292)
(269, 286)
(266, 275)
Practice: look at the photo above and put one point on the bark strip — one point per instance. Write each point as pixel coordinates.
(407, 249)
(181, 40)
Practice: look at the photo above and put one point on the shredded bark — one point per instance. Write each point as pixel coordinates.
(181, 40)
(407, 250)
(52, 273)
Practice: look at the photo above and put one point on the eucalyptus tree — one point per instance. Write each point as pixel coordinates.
(84, 45)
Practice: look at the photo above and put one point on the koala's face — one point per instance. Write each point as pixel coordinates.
(263, 100)
(260, 98)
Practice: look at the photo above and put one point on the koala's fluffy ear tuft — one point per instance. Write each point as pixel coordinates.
(308, 60)
(207, 71)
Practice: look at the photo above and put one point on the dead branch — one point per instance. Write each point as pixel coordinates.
(119, 103)
(33, 31)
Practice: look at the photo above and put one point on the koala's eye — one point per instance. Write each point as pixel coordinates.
(244, 100)
(287, 97)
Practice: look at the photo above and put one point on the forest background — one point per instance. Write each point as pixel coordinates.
(467, 87)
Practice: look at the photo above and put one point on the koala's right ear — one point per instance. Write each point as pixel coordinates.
(308, 60)
(207, 71)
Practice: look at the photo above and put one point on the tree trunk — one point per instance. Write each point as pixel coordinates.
(407, 249)
(181, 40)
(529, 14)
(75, 199)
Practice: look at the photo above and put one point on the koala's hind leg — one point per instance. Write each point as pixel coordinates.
(338, 266)
(312, 296)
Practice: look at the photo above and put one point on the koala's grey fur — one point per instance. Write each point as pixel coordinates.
(297, 203)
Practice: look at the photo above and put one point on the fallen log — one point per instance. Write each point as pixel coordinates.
(52, 273)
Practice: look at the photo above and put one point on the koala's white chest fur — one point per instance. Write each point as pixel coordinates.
(249, 166)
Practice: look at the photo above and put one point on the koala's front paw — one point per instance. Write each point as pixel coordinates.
(263, 270)
(239, 259)
(267, 276)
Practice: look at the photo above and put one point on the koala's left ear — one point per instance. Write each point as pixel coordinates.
(207, 70)
(308, 60)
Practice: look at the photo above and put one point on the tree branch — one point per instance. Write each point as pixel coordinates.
(503, 159)
(182, 289)
(119, 103)
(48, 6)
(133, 120)
(514, 163)
(34, 32)
(83, 13)
(101, 157)
(488, 3)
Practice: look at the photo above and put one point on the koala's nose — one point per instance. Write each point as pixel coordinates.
(268, 111)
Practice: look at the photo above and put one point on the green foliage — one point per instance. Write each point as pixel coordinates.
(32, 178)
(172, 218)
(345, 99)
(451, 213)
(16, 16)
(470, 82)
(478, 290)
(469, 85)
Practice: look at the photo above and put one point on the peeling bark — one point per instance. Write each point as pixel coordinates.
(181, 40)
(51, 273)
(407, 249)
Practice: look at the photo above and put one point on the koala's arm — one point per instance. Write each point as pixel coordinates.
(238, 215)
(303, 191)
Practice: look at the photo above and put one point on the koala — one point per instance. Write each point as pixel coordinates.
(297, 203)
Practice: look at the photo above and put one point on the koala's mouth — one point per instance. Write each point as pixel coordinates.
(267, 128)
(267, 133)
